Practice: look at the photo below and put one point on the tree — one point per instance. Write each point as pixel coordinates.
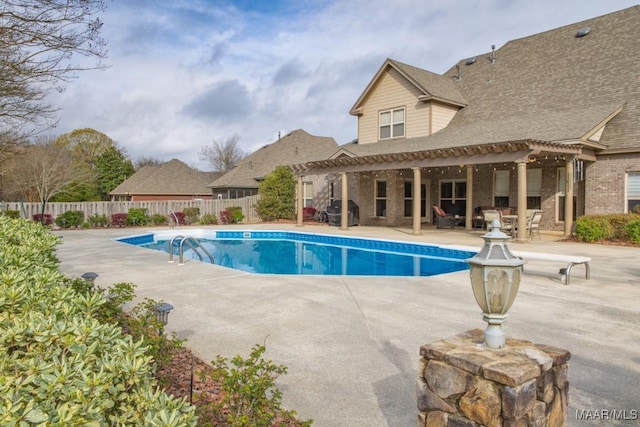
(85, 146)
(44, 170)
(147, 161)
(38, 40)
(222, 155)
(277, 195)
(112, 168)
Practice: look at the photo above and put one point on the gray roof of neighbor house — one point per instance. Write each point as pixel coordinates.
(171, 178)
(296, 147)
(554, 87)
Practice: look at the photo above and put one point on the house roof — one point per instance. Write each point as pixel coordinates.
(553, 87)
(295, 147)
(432, 86)
(171, 178)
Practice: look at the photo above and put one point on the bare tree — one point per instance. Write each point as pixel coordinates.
(43, 170)
(147, 161)
(38, 39)
(222, 155)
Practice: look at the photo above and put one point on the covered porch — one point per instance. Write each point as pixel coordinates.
(524, 175)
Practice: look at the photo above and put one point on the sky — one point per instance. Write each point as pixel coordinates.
(185, 73)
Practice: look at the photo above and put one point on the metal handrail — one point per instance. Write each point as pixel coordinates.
(193, 244)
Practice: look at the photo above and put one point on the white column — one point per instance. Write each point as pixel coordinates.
(568, 197)
(417, 203)
(468, 221)
(299, 203)
(522, 202)
(344, 211)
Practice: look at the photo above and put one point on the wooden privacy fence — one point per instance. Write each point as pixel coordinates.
(162, 207)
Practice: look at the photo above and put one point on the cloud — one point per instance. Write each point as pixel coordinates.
(186, 72)
(226, 101)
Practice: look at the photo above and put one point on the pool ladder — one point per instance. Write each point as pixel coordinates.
(190, 242)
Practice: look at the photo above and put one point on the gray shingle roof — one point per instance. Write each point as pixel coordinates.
(551, 86)
(295, 147)
(171, 178)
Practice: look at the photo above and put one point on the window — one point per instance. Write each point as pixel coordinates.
(561, 180)
(307, 194)
(392, 123)
(501, 189)
(633, 191)
(408, 198)
(381, 198)
(453, 196)
(534, 188)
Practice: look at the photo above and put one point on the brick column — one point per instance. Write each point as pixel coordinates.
(461, 382)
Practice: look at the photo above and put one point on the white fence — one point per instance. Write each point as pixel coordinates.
(162, 207)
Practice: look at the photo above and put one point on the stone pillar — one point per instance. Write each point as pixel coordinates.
(522, 203)
(344, 207)
(417, 203)
(461, 382)
(568, 197)
(299, 203)
(468, 221)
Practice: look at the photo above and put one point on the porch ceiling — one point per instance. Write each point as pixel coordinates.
(515, 151)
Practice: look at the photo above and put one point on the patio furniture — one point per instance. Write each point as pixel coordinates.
(334, 213)
(533, 225)
(443, 219)
(489, 216)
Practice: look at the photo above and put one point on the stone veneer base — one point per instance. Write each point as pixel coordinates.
(463, 383)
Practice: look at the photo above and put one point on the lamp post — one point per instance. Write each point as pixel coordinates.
(162, 314)
(90, 278)
(495, 277)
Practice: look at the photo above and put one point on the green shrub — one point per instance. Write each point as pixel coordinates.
(70, 219)
(209, 219)
(633, 231)
(191, 215)
(277, 195)
(158, 219)
(60, 364)
(98, 220)
(137, 216)
(250, 396)
(619, 224)
(591, 228)
(236, 214)
(12, 213)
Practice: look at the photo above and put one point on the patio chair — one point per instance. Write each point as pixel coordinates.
(489, 216)
(443, 219)
(534, 224)
(507, 227)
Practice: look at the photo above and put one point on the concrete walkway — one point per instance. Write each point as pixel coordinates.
(351, 344)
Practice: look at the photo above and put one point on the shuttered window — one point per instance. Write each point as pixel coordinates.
(633, 192)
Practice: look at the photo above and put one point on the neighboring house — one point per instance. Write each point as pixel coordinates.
(295, 147)
(543, 119)
(173, 180)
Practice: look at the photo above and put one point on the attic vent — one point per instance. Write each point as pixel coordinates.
(583, 31)
(470, 61)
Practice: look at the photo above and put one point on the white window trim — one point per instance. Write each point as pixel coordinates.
(627, 189)
(376, 197)
(392, 123)
(307, 199)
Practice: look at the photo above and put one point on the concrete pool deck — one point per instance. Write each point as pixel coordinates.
(351, 344)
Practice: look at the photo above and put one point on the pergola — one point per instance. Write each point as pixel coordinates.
(519, 152)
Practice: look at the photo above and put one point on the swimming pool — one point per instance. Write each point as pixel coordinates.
(284, 252)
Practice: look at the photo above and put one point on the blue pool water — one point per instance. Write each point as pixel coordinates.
(282, 252)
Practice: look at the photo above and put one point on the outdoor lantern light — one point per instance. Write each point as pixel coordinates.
(162, 314)
(495, 277)
(90, 278)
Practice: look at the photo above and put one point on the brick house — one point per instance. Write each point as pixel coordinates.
(173, 180)
(543, 119)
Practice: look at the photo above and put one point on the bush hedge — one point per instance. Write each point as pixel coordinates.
(613, 227)
(70, 219)
(59, 364)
